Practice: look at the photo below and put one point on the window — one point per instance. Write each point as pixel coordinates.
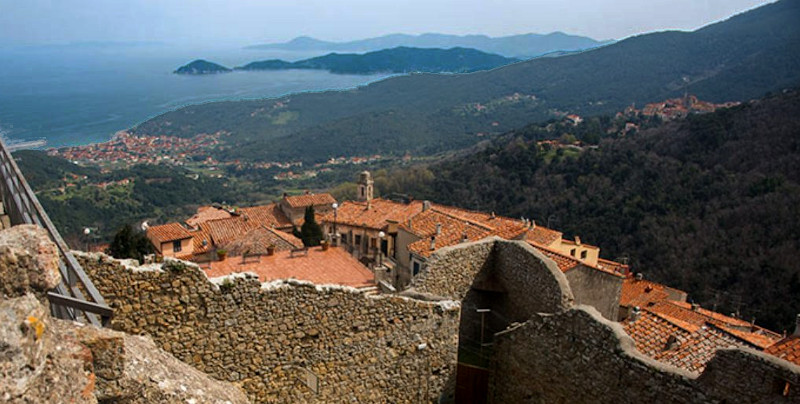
(357, 240)
(176, 246)
(584, 253)
(416, 268)
(572, 252)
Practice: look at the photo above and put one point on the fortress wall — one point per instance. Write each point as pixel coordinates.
(579, 357)
(267, 337)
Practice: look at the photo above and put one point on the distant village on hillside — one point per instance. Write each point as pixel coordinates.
(380, 246)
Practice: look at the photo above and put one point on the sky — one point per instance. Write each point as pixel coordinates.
(246, 22)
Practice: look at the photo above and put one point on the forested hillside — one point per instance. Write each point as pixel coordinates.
(709, 204)
(737, 59)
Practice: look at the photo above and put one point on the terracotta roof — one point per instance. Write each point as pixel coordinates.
(302, 201)
(453, 230)
(698, 348)
(613, 266)
(786, 349)
(258, 239)
(641, 293)
(266, 215)
(683, 311)
(167, 232)
(757, 336)
(225, 231)
(201, 238)
(564, 262)
(654, 334)
(206, 213)
(543, 236)
(374, 214)
(334, 266)
(687, 346)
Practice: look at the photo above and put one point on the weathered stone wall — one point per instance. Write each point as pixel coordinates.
(451, 270)
(578, 357)
(598, 289)
(265, 337)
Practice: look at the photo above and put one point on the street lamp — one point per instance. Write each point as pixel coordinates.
(335, 207)
(86, 232)
(381, 235)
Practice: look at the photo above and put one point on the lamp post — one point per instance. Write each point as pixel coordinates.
(335, 207)
(381, 235)
(86, 232)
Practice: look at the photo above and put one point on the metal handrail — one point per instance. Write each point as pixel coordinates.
(67, 301)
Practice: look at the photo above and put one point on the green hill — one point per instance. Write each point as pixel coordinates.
(395, 60)
(737, 59)
(709, 204)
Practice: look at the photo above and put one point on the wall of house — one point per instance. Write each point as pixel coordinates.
(566, 246)
(404, 238)
(598, 289)
(186, 248)
(266, 338)
(577, 356)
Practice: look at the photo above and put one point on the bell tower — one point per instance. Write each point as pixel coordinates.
(365, 186)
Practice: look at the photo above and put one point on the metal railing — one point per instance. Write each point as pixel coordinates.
(68, 300)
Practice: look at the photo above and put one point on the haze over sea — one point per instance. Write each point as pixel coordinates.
(84, 93)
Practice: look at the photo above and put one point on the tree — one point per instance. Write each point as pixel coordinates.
(129, 243)
(310, 232)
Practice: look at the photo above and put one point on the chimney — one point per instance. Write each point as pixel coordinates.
(433, 243)
(533, 224)
(634, 315)
(639, 276)
(410, 225)
(695, 307)
(438, 229)
(426, 205)
(577, 240)
(493, 215)
(797, 325)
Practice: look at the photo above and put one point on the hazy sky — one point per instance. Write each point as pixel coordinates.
(252, 21)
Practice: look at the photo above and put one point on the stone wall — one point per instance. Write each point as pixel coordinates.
(267, 338)
(579, 357)
(595, 288)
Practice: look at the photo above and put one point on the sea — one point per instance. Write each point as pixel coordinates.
(84, 93)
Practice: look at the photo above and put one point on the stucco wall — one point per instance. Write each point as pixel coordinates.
(598, 289)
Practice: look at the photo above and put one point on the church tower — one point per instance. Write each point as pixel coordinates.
(365, 188)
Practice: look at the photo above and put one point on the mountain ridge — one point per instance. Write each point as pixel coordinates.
(519, 46)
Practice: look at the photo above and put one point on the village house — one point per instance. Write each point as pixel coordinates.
(171, 240)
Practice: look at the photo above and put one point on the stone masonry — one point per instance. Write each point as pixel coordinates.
(274, 339)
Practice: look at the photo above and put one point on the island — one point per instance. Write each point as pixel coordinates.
(396, 60)
(200, 66)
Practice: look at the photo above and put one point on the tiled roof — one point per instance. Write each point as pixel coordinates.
(258, 239)
(302, 201)
(453, 230)
(543, 236)
(225, 231)
(654, 334)
(334, 266)
(685, 345)
(698, 348)
(564, 262)
(786, 349)
(683, 311)
(757, 336)
(201, 238)
(266, 215)
(374, 214)
(206, 213)
(613, 266)
(167, 232)
(641, 293)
